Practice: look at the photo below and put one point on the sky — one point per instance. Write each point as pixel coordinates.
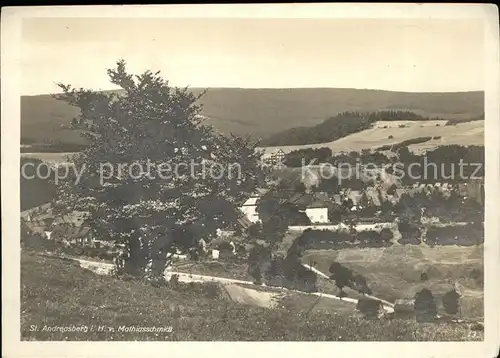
(412, 55)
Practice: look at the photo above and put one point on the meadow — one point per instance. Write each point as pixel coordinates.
(395, 272)
(382, 133)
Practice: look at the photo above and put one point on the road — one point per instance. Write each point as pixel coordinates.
(105, 268)
(319, 273)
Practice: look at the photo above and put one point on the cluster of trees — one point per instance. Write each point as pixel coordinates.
(276, 214)
(301, 157)
(453, 122)
(442, 164)
(450, 207)
(398, 115)
(331, 129)
(324, 239)
(274, 270)
(470, 234)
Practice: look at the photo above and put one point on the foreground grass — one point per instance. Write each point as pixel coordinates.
(56, 292)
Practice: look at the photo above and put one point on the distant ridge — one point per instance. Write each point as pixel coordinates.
(263, 112)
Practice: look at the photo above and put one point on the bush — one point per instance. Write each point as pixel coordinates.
(451, 302)
(465, 235)
(345, 277)
(254, 230)
(359, 284)
(425, 305)
(424, 276)
(477, 275)
(259, 259)
(390, 137)
(410, 233)
(324, 239)
(241, 251)
(174, 280)
(370, 308)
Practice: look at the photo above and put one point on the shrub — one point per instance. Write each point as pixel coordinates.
(424, 276)
(410, 233)
(477, 275)
(451, 302)
(359, 284)
(390, 137)
(259, 259)
(241, 251)
(174, 280)
(370, 308)
(345, 277)
(466, 235)
(425, 305)
(254, 230)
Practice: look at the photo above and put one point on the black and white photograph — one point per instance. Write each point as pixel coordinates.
(257, 173)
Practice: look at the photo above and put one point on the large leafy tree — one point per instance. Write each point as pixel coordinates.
(179, 180)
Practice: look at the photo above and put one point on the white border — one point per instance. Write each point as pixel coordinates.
(10, 106)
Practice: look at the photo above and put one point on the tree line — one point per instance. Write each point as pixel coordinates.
(340, 125)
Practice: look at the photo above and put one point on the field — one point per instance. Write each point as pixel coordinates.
(262, 112)
(394, 272)
(57, 292)
(469, 133)
(50, 158)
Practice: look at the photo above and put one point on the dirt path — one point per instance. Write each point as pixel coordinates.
(387, 305)
(260, 298)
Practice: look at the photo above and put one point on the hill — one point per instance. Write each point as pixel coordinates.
(394, 132)
(262, 112)
(58, 293)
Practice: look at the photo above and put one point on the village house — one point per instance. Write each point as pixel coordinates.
(249, 207)
(273, 156)
(72, 227)
(315, 206)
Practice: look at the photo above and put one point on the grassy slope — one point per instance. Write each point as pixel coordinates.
(55, 292)
(265, 111)
(470, 133)
(394, 272)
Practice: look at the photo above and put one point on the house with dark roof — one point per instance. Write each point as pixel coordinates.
(74, 234)
(315, 205)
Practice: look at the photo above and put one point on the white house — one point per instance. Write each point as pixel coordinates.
(314, 205)
(249, 208)
(317, 214)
